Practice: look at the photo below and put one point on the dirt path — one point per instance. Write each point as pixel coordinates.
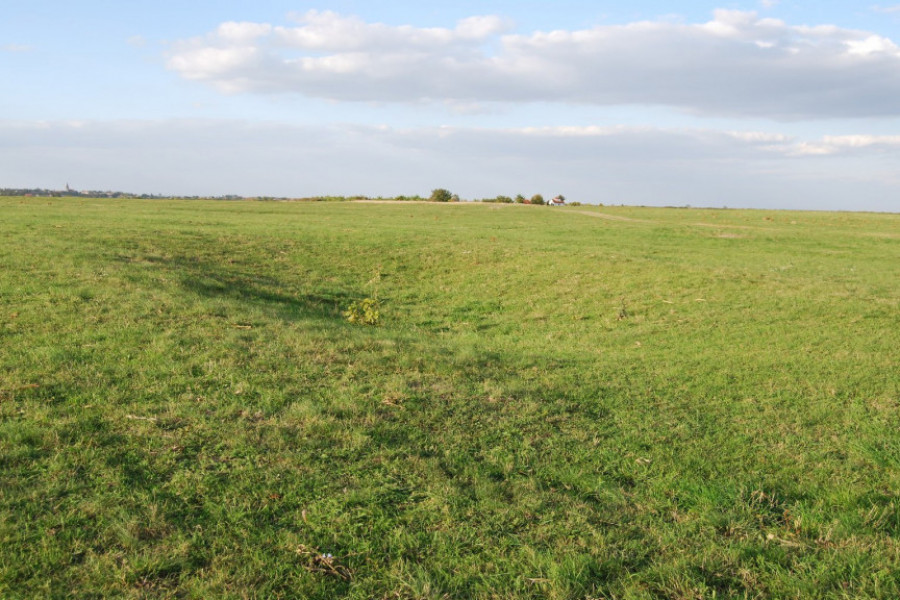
(695, 224)
(596, 215)
(608, 217)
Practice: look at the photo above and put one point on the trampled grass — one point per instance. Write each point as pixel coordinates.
(557, 403)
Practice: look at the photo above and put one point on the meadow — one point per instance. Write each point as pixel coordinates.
(564, 403)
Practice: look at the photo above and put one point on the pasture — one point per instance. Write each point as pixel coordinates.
(564, 403)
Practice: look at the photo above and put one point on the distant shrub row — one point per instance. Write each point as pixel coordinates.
(437, 195)
(519, 199)
(442, 195)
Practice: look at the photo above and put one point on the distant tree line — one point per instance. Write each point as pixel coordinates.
(61, 193)
(437, 195)
(443, 195)
(70, 193)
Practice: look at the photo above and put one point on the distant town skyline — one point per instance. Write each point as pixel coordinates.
(756, 103)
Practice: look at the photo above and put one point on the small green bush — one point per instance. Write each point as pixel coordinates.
(440, 195)
(364, 312)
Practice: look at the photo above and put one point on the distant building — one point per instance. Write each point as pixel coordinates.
(558, 201)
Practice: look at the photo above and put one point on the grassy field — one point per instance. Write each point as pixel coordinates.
(620, 403)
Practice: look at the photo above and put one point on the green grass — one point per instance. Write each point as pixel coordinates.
(565, 403)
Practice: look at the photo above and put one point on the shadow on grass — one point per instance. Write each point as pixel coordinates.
(217, 277)
(268, 292)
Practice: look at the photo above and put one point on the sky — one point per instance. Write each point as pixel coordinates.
(751, 103)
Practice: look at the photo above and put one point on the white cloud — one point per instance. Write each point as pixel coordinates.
(735, 64)
(873, 45)
(478, 28)
(242, 32)
(326, 30)
(16, 48)
(846, 144)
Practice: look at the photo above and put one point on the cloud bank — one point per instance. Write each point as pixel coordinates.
(735, 64)
(633, 165)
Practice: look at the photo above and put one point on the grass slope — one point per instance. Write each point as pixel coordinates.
(559, 403)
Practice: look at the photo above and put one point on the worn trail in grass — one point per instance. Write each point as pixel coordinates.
(674, 404)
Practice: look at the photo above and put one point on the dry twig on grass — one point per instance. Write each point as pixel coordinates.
(327, 564)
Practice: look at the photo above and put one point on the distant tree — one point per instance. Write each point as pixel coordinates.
(454, 198)
(537, 199)
(520, 199)
(504, 199)
(440, 195)
(561, 197)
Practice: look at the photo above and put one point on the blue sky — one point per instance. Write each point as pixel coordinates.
(759, 103)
